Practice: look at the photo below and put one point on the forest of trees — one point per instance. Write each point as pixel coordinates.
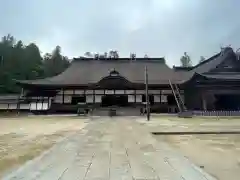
(24, 62)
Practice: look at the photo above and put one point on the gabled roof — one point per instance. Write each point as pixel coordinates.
(222, 76)
(211, 63)
(89, 71)
(206, 68)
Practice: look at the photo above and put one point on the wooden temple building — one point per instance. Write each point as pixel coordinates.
(102, 82)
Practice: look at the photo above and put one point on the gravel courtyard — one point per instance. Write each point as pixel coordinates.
(217, 154)
(123, 146)
(120, 148)
(24, 138)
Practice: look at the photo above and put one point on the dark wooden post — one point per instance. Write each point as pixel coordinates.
(36, 102)
(135, 97)
(42, 98)
(48, 102)
(147, 97)
(62, 96)
(94, 97)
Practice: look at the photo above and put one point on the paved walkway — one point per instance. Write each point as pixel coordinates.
(110, 150)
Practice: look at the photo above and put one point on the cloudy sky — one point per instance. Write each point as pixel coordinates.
(155, 27)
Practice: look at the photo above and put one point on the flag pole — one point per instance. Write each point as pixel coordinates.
(147, 97)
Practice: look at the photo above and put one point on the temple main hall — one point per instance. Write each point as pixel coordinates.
(98, 83)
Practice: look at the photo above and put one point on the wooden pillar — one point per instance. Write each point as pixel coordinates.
(62, 96)
(42, 102)
(18, 104)
(135, 96)
(48, 102)
(204, 102)
(36, 102)
(160, 96)
(22, 92)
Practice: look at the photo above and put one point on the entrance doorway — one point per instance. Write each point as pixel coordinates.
(78, 99)
(114, 100)
(227, 102)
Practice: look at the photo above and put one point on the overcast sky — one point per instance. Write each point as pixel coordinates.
(155, 27)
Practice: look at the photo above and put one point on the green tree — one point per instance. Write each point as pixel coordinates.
(55, 63)
(34, 69)
(88, 54)
(113, 54)
(202, 59)
(24, 62)
(186, 60)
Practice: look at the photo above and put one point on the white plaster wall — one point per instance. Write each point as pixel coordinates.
(109, 92)
(140, 92)
(98, 98)
(89, 92)
(130, 92)
(119, 92)
(79, 91)
(3, 106)
(67, 98)
(89, 98)
(99, 91)
(12, 106)
(24, 106)
(154, 91)
(163, 98)
(166, 91)
(131, 98)
(58, 99)
(138, 98)
(157, 98)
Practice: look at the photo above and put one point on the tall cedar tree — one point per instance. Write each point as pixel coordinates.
(24, 62)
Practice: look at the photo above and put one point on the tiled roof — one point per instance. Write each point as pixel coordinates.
(92, 71)
(84, 71)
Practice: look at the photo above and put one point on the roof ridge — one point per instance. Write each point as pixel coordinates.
(122, 59)
(206, 61)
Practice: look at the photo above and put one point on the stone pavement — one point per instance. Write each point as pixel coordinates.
(110, 149)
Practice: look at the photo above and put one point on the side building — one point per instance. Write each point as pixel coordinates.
(97, 83)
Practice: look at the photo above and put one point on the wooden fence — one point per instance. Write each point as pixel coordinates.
(216, 113)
